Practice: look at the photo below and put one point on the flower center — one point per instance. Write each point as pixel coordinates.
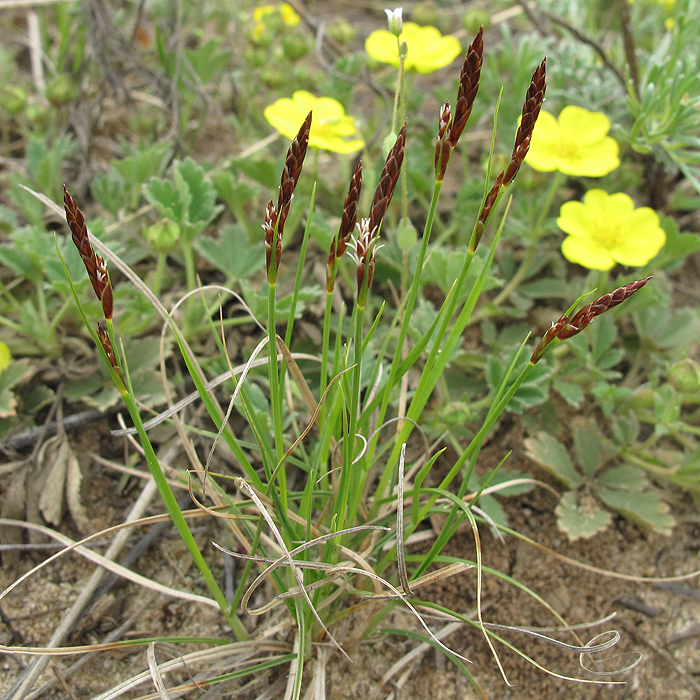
(608, 232)
(569, 149)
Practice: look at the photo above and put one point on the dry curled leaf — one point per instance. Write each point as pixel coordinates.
(57, 461)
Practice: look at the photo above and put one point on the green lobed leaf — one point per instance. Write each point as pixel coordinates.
(581, 520)
(626, 477)
(645, 508)
(588, 444)
(549, 453)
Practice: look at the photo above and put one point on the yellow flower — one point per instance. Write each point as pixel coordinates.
(428, 50)
(289, 17)
(330, 125)
(606, 229)
(576, 144)
(5, 356)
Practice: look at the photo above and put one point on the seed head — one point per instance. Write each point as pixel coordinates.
(94, 264)
(567, 327)
(387, 181)
(468, 86)
(292, 170)
(443, 150)
(531, 110)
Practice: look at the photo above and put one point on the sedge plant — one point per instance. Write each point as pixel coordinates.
(319, 513)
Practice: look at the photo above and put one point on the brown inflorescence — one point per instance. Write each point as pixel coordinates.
(450, 125)
(387, 182)
(291, 171)
(275, 217)
(107, 346)
(531, 110)
(368, 229)
(347, 226)
(273, 241)
(366, 254)
(443, 150)
(94, 264)
(468, 87)
(567, 327)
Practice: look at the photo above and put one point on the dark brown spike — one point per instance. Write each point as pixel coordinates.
(292, 170)
(468, 86)
(349, 218)
(107, 346)
(387, 182)
(567, 327)
(608, 301)
(443, 150)
(330, 267)
(487, 208)
(94, 263)
(273, 241)
(531, 110)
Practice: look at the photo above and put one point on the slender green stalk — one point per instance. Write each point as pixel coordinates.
(410, 304)
(348, 471)
(275, 395)
(158, 275)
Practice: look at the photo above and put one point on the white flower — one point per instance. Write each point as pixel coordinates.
(395, 20)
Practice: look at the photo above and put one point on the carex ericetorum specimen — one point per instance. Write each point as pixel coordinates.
(451, 126)
(567, 326)
(368, 229)
(96, 269)
(275, 217)
(346, 228)
(531, 110)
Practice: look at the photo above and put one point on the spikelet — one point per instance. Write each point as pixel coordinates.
(291, 171)
(468, 87)
(451, 126)
(94, 264)
(443, 150)
(567, 327)
(107, 346)
(387, 182)
(531, 110)
(275, 218)
(347, 226)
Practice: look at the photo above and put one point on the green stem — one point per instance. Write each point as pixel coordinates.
(275, 397)
(158, 275)
(349, 442)
(324, 349)
(412, 295)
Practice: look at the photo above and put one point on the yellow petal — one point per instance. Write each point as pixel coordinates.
(576, 219)
(329, 125)
(544, 153)
(610, 205)
(593, 160)
(584, 126)
(428, 50)
(381, 46)
(289, 16)
(5, 356)
(643, 238)
(587, 252)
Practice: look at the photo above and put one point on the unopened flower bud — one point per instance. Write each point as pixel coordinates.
(685, 375)
(395, 20)
(13, 100)
(163, 236)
